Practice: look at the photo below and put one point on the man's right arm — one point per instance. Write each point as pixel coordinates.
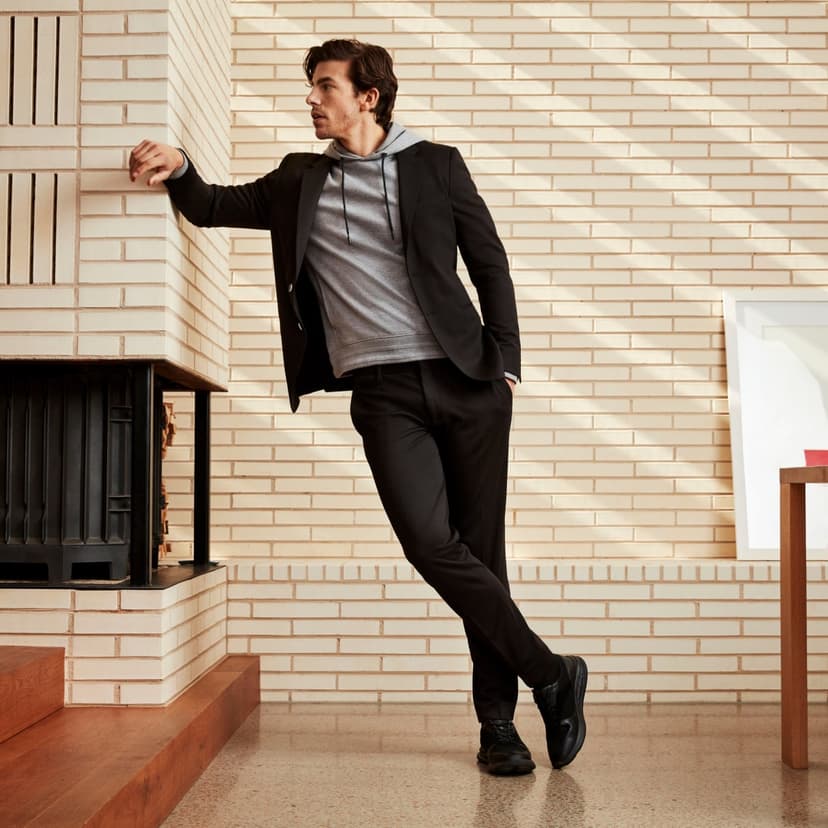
(205, 205)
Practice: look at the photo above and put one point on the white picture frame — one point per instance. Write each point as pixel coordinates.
(776, 342)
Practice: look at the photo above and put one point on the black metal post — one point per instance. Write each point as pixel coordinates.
(201, 481)
(141, 511)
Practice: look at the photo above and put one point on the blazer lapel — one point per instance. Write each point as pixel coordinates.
(407, 168)
(313, 180)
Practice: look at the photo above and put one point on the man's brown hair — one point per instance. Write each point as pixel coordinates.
(369, 67)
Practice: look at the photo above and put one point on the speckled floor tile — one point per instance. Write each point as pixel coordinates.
(406, 766)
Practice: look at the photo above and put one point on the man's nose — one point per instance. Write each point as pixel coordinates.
(311, 99)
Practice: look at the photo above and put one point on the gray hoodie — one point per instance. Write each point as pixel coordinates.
(356, 262)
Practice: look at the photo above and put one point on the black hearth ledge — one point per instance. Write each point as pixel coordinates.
(167, 575)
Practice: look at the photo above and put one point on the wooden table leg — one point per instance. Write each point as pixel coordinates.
(794, 643)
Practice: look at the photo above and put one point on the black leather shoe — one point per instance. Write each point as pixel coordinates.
(501, 749)
(561, 706)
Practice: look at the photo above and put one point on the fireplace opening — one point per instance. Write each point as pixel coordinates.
(82, 497)
(66, 463)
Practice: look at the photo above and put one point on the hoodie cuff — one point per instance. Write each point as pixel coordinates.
(183, 168)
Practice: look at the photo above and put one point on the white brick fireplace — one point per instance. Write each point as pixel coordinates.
(94, 269)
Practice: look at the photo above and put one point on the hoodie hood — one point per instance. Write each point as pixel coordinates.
(396, 140)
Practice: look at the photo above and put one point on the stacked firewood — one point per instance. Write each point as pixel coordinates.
(167, 436)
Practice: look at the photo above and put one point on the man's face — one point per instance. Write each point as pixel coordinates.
(337, 109)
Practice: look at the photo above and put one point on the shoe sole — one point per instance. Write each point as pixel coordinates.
(516, 766)
(579, 683)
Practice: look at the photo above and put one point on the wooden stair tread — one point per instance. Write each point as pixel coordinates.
(31, 686)
(13, 657)
(122, 766)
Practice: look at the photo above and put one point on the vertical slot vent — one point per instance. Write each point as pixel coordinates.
(33, 225)
(39, 57)
(38, 74)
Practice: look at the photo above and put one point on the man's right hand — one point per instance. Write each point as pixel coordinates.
(160, 160)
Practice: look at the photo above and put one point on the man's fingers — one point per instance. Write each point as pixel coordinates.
(146, 160)
(161, 175)
(137, 162)
(138, 157)
(149, 156)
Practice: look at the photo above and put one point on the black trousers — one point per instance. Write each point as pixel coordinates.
(437, 444)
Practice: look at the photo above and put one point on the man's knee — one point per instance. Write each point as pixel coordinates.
(430, 555)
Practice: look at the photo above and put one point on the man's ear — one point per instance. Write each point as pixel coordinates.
(370, 99)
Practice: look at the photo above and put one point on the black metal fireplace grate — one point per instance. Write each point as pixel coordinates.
(65, 471)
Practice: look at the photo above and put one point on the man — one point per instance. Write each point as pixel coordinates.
(365, 239)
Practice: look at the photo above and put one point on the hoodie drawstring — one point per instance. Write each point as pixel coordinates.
(385, 194)
(344, 205)
(342, 163)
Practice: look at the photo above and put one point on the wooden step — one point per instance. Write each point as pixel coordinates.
(123, 767)
(31, 686)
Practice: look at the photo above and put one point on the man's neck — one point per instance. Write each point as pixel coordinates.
(364, 141)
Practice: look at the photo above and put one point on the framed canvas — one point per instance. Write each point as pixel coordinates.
(776, 341)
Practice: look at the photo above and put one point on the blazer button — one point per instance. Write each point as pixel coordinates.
(290, 288)
(299, 325)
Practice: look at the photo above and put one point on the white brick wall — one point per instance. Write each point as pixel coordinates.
(638, 158)
(651, 631)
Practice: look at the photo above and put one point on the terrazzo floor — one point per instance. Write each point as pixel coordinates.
(407, 766)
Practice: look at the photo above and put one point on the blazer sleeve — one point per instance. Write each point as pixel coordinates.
(486, 262)
(215, 205)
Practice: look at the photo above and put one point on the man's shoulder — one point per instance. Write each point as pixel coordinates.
(293, 167)
(439, 158)
(300, 160)
(430, 149)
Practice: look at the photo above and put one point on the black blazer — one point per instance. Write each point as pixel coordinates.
(440, 211)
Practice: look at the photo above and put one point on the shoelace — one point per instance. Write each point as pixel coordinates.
(504, 729)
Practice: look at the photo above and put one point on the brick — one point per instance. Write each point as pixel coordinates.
(103, 24)
(381, 682)
(297, 609)
(97, 600)
(93, 646)
(605, 627)
(338, 626)
(146, 646)
(295, 645)
(696, 627)
(650, 681)
(94, 693)
(37, 599)
(150, 44)
(616, 592)
(120, 669)
(129, 90)
(671, 646)
(423, 627)
(738, 681)
(50, 622)
(337, 663)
